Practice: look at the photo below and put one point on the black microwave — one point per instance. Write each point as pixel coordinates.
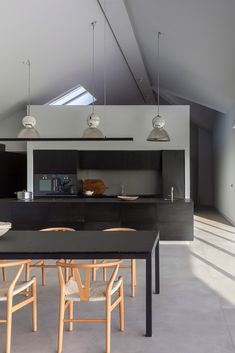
(53, 185)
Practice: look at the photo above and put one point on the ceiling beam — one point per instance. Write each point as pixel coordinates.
(119, 22)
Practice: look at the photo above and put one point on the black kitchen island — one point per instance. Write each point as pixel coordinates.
(174, 219)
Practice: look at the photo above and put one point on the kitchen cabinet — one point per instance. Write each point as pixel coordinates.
(13, 173)
(169, 165)
(173, 219)
(122, 160)
(138, 216)
(38, 215)
(55, 161)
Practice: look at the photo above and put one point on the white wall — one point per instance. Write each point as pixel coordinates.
(116, 121)
(224, 164)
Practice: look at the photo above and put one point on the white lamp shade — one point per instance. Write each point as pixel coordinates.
(28, 132)
(158, 135)
(92, 132)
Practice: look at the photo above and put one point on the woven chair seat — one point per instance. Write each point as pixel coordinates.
(19, 287)
(97, 290)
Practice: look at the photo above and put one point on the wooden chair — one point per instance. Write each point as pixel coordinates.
(8, 290)
(4, 273)
(132, 265)
(42, 263)
(76, 290)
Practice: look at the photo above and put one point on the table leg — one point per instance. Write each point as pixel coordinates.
(157, 270)
(149, 296)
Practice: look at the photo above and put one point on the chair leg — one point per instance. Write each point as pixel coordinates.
(94, 271)
(66, 273)
(9, 326)
(34, 306)
(135, 269)
(27, 276)
(61, 324)
(121, 308)
(27, 272)
(70, 311)
(108, 325)
(104, 274)
(4, 274)
(133, 277)
(43, 273)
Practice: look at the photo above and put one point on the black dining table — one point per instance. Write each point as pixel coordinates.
(88, 245)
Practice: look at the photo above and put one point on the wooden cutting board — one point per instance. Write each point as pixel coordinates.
(96, 185)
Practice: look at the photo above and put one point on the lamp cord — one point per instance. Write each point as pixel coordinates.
(105, 61)
(158, 73)
(93, 65)
(27, 62)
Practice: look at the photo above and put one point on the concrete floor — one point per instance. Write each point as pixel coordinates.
(195, 311)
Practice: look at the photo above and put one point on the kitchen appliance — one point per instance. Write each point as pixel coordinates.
(55, 185)
(24, 195)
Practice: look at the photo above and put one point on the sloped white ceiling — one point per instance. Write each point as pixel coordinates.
(197, 50)
(56, 35)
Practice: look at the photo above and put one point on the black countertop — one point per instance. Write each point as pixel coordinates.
(104, 199)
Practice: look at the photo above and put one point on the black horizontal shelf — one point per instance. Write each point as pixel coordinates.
(68, 139)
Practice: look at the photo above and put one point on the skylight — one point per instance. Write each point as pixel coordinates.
(76, 96)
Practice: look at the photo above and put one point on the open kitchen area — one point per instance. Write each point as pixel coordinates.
(87, 190)
(117, 176)
(76, 199)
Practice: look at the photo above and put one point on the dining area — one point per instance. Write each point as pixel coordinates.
(117, 222)
(80, 241)
(88, 266)
(80, 245)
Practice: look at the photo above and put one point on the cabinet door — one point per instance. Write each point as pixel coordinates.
(120, 160)
(175, 220)
(5, 211)
(13, 176)
(99, 216)
(55, 161)
(138, 215)
(173, 173)
(37, 215)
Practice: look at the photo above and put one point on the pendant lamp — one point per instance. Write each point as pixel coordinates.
(93, 120)
(28, 121)
(158, 134)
